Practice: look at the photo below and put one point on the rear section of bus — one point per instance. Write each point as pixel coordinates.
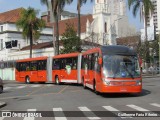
(31, 70)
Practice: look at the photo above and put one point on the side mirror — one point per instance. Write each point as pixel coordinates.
(100, 61)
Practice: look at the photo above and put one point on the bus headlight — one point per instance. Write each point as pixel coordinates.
(138, 82)
(107, 82)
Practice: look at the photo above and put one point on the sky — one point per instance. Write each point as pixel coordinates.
(6, 5)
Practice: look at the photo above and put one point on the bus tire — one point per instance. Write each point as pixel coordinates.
(95, 88)
(27, 80)
(57, 81)
(1, 89)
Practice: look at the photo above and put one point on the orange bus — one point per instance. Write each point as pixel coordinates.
(111, 69)
(66, 68)
(32, 70)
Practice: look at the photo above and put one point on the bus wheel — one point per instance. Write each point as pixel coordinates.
(27, 80)
(1, 89)
(95, 88)
(57, 81)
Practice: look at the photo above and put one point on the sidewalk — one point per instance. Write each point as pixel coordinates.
(150, 75)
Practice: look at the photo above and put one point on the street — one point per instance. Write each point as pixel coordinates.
(71, 97)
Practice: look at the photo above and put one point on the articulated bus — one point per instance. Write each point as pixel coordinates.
(33, 70)
(107, 69)
(111, 69)
(66, 68)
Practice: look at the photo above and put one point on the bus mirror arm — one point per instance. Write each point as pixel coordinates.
(100, 61)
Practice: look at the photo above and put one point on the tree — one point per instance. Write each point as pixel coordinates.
(57, 8)
(79, 5)
(146, 8)
(31, 25)
(70, 41)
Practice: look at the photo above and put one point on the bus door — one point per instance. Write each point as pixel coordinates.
(24, 68)
(41, 75)
(90, 70)
(72, 70)
(86, 69)
(63, 72)
(69, 71)
(33, 71)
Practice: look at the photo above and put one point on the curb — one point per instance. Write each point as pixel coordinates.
(2, 104)
(150, 76)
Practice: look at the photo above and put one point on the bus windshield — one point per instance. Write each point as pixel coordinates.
(120, 66)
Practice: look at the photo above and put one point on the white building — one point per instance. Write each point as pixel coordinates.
(9, 32)
(154, 19)
(118, 16)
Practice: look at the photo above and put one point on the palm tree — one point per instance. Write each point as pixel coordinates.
(146, 8)
(30, 25)
(79, 5)
(57, 8)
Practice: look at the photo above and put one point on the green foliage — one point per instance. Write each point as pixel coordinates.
(140, 5)
(70, 41)
(148, 54)
(30, 25)
(29, 22)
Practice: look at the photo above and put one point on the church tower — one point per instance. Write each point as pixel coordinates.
(102, 22)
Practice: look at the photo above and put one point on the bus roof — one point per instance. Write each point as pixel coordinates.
(111, 49)
(91, 51)
(32, 59)
(117, 49)
(66, 55)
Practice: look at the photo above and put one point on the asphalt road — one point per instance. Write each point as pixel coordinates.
(71, 98)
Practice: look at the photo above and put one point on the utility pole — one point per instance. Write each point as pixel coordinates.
(159, 49)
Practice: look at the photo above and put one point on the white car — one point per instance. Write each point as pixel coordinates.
(1, 86)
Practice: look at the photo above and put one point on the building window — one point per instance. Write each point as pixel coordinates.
(1, 44)
(1, 29)
(105, 27)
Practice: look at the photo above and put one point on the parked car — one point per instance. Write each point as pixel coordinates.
(1, 85)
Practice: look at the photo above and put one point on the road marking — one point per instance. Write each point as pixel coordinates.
(59, 114)
(20, 87)
(112, 109)
(137, 108)
(30, 118)
(109, 108)
(155, 104)
(36, 86)
(7, 88)
(86, 110)
(50, 85)
(62, 90)
(35, 91)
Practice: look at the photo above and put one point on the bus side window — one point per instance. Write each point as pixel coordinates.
(17, 66)
(68, 63)
(56, 64)
(63, 63)
(74, 63)
(89, 62)
(34, 66)
(27, 66)
(96, 65)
